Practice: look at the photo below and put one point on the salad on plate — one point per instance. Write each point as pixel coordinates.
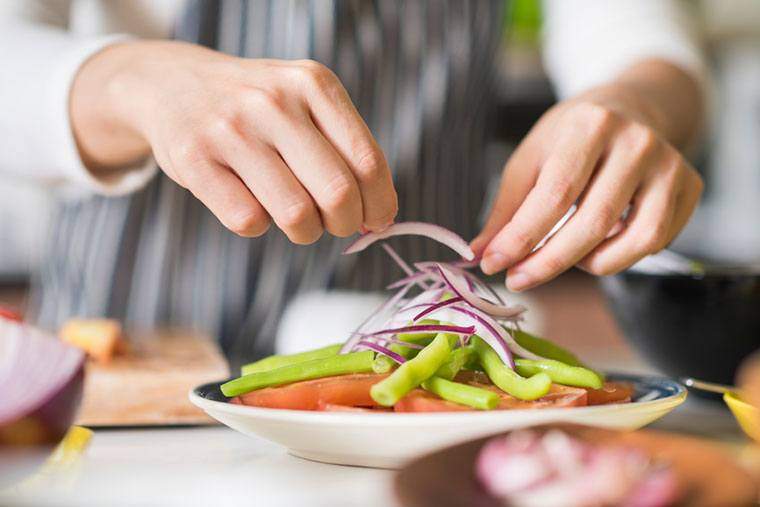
(444, 341)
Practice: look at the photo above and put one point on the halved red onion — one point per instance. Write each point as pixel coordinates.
(41, 381)
(432, 231)
(366, 344)
(459, 286)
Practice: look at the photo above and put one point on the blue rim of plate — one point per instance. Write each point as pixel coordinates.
(646, 388)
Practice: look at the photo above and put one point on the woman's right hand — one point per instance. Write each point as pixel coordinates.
(255, 140)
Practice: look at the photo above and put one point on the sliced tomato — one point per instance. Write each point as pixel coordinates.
(332, 407)
(10, 314)
(345, 390)
(419, 400)
(611, 392)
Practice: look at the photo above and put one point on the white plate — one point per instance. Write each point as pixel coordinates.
(388, 440)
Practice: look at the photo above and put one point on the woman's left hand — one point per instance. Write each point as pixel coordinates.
(602, 154)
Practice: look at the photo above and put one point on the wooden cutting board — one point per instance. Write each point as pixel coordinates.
(149, 384)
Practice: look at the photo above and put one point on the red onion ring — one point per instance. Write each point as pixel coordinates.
(432, 231)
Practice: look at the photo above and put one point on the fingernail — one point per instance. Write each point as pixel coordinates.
(492, 263)
(518, 281)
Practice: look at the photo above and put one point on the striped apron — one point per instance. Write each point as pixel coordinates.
(421, 74)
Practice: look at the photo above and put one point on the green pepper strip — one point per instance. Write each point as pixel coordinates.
(384, 364)
(507, 379)
(341, 364)
(412, 373)
(456, 361)
(545, 348)
(550, 350)
(463, 394)
(559, 372)
(272, 362)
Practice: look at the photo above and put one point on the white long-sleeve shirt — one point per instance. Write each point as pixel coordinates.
(44, 42)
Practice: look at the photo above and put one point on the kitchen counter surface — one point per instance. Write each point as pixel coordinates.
(217, 466)
(220, 467)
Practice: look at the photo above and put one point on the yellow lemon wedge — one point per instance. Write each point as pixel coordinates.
(748, 416)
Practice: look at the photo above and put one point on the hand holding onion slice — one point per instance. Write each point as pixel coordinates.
(470, 309)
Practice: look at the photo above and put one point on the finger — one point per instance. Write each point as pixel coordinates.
(600, 209)
(323, 173)
(271, 181)
(560, 182)
(518, 178)
(222, 192)
(686, 204)
(336, 117)
(647, 227)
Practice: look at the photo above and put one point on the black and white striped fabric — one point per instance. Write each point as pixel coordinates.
(421, 74)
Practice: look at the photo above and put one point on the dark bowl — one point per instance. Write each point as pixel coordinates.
(689, 326)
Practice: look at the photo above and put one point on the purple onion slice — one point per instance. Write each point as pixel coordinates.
(432, 231)
(366, 344)
(462, 290)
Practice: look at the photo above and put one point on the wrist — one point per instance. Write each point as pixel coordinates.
(631, 103)
(103, 119)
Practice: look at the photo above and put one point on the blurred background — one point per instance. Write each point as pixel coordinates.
(724, 228)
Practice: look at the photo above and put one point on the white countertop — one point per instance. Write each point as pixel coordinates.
(201, 466)
(218, 466)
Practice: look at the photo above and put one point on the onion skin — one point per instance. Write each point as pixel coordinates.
(43, 420)
(50, 422)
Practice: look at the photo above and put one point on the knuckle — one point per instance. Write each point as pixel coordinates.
(560, 193)
(602, 220)
(640, 141)
(522, 241)
(266, 101)
(652, 238)
(598, 118)
(189, 152)
(370, 164)
(339, 193)
(222, 127)
(296, 215)
(313, 73)
(248, 223)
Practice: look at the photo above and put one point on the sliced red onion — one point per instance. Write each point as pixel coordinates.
(366, 344)
(461, 289)
(41, 381)
(485, 289)
(426, 328)
(397, 258)
(432, 308)
(374, 317)
(432, 231)
(414, 277)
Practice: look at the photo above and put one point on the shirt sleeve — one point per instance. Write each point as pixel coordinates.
(589, 42)
(40, 60)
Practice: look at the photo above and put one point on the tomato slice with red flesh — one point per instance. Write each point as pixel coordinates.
(419, 400)
(558, 397)
(345, 390)
(611, 392)
(10, 314)
(332, 407)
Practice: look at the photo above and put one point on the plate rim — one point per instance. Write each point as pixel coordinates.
(312, 416)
